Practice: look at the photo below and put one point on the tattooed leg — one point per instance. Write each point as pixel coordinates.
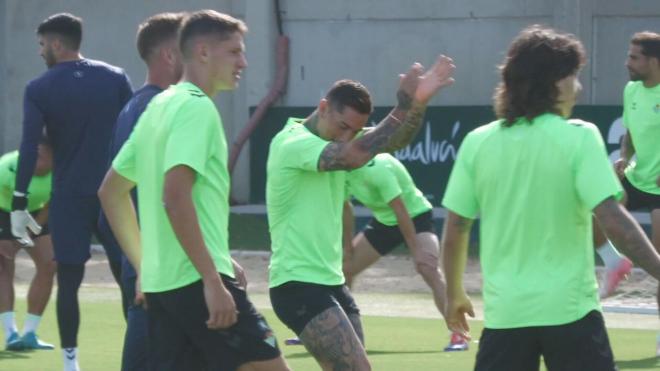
(356, 322)
(332, 340)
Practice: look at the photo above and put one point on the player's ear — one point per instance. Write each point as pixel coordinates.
(323, 106)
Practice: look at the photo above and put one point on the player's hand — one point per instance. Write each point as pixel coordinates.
(220, 303)
(434, 79)
(457, 308)
(21, 222)
(620, 166)
(239, 272)
(139, 295)
(408, 83)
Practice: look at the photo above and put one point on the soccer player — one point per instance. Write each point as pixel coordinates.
(177, 157)
(641, 118)
(535, 177)
(77, 100)
(41, 253)
(157, 46)
(401, 214)
(305, 192)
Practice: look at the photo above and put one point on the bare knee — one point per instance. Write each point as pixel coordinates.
(46, 268)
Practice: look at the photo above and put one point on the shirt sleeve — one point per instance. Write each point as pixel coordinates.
(193, 136)
(124, 162)
(595, 179)
(33, 124)
(303, 150)
(460, 194)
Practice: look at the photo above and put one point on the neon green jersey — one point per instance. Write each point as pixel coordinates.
(181, 126)
(304, 210)
(38, 191)
(380, 181)
(641, 116)
(534, 187)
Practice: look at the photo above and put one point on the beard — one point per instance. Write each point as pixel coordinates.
(49, 58)
(635, 76)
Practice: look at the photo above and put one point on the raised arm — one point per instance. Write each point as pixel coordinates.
(626, 234)
(400, 126)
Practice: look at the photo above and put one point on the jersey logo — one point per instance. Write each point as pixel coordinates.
(12, 169)
(79, 74)
(656, 109)
(371, 163)
(633, 106)
(195, 93)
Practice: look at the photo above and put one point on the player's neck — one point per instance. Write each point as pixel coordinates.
(200, 80)
(652, 81)
(69, 56)
(312, 123)
(162, 79)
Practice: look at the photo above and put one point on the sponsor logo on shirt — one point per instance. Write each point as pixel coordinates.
(78, 74)
(656, 109)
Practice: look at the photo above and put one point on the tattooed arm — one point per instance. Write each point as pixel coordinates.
(400, 126)
(455, 238)
(627, 236)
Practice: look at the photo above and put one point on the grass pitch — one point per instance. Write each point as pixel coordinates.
(393, 344)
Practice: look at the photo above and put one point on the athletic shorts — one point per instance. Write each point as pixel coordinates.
(73, 220)
(296, 303)
(577, 346)
(177, 323)
(5, 226)
(638, 200)
(385, 238)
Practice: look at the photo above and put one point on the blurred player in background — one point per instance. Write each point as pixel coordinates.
(157, 46)
(41, 253)
(401, 214)
(79, 124)
(641, 118)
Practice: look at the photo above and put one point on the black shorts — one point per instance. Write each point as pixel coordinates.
(177, 325)
(297, 303)
(385, 238)
(5, 226)
(637, 200)
(582, 345)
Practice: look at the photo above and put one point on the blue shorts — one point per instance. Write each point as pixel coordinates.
(72, 221)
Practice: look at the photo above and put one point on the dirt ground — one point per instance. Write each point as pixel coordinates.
(392, 288)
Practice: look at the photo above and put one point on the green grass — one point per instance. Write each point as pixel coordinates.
(393, 344)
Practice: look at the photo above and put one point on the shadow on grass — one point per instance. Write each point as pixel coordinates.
(371, 353)
(5, 354)
(644, 363)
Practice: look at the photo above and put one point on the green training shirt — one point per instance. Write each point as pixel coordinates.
(38, 191)
(534, 187)
(641, 116)
(304, 209)
(181, 126)
(380, 181)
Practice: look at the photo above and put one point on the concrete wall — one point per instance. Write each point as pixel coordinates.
(368, 40)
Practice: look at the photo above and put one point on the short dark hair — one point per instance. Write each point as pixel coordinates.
(208, 22)
(537, 58)
(156, 30)
(65, 25)
(349, 93)
(649, 42)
